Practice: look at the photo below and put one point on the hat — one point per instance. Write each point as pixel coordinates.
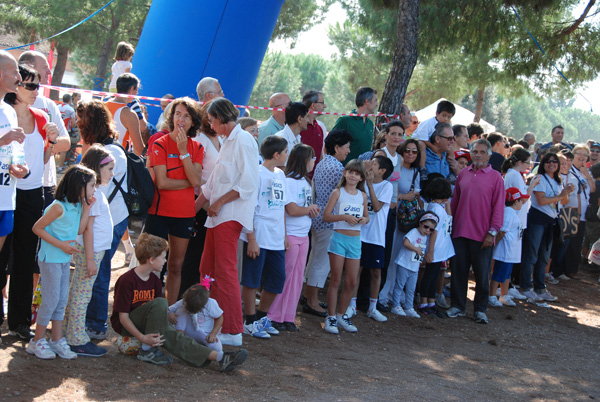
(462, 153)
(595, 145)
(513, 194)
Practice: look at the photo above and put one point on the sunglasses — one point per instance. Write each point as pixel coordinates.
(411, 151)
(427, 227)
(552, 161)
(30, 86)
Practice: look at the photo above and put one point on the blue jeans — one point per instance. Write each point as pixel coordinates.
(97, 311)
(404, 290)
(537, 243)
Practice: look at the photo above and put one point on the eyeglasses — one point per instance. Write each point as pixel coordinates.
(448, 138)
(30, 86)
(552, 161)
(427, 227)
(411, 151)
(415, 122)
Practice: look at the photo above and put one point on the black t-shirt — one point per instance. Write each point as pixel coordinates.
(591, 214)
(496, 160)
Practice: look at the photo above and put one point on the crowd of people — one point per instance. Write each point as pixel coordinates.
(249, 221)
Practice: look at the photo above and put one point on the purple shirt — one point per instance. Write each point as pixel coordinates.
(478, 203)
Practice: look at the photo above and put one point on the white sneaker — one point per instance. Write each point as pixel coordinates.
(440, 300)
(493, 301)
(398, 311)
(331, 325)
(351, 311)
(551, 279)
(256, 330)
(515, 294)
(346, 324)
(40, 349)
(507, 301)
(498, 292)
(530, 294)
(62, 349)
(412, 313)
(231, 339)
(546, 296)
(564, 277)
(376, 315)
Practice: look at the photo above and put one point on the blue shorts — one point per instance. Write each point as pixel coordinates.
(7, 222)
(502, 271)
(266, 270)
(345, 246)
(372, 256)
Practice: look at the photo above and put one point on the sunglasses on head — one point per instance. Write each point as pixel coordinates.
(30, 86)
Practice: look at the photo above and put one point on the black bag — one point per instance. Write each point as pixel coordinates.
(409, 212)
(140, 187)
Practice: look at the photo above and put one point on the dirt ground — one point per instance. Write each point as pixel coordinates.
(525, 353)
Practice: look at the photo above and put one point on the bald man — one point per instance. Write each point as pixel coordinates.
(275, 123)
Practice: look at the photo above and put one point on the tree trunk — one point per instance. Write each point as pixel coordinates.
(405, 58)
(479, 106)
(59, 69)
(107, 48)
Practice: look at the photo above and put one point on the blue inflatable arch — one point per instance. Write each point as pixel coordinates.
(184, 41)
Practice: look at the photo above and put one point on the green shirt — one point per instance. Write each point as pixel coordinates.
(361, 131)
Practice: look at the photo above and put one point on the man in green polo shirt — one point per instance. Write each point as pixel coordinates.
(361, 128)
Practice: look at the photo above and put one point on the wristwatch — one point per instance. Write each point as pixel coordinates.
(182, 157)
(493, 232)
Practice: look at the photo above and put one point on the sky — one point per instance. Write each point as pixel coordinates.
(312, 42)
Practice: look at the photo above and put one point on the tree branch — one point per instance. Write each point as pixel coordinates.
(569, 30)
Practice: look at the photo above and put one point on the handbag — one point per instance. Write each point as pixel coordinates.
(409, 212)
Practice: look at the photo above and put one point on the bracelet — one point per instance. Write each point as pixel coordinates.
(182, 157)
(52, 142)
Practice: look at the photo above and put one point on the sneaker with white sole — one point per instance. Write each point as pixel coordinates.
(232, 359)
(100, 336)
(440, 300)
(40, 349)
(231, 339)
(507, 301)
(346, 324)
(351, 311)
(515, 294)
(411, 313)
(550, 279)
(398, 310)
(256, 330)
(62, 349)
(494, 302)
(546, 296)
(563, 277)
(376, 315)
(154, 356)
(480, 317)
(267, 326)
(530, 294)
(331, 325)
(455, 312)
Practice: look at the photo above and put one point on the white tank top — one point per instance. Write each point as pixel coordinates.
(118, 125)
(348, 204)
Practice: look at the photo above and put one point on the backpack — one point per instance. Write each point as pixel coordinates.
(139, 184)
(409, 212)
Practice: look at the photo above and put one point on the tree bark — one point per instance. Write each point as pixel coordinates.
(405, 58)
(479, 105)
(59, 69)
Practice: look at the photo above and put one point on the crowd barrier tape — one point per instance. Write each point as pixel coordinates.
(152, 98)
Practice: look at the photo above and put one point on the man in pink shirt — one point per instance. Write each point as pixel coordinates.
(478, 211)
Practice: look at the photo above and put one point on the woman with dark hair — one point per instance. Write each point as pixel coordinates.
(40, 138)
(96, 126)
(409, 187)
(231, 191)
(327, 175)
(537, 239)
(177, 163)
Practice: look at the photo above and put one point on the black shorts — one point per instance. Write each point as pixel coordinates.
(372, 256)
(163, 226)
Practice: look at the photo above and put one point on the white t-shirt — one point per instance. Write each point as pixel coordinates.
(443, 248)
(67, 112)
(269, 214)
(8, 192)
(409, 259)
(210, 154)
(513, 178)
(300, 192)
(508, 248)
(34, 156)
(103, 224)
(550, 188)
(117, 69)
(570, 178)
(406, 179)
(395, 176)
(374, 231)
(205, 318)
(54, 116)
(584, 187)
(425, 129)
(118, 208)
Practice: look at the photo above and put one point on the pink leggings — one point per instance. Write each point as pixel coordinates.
(284, 306)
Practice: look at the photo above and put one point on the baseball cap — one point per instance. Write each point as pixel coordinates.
(595, 145)
(462, 153)
(513, 194)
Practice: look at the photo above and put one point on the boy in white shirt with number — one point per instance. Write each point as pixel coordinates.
(264, 248)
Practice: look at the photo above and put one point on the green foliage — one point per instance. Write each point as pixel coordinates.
(297, 16)
(496, 109)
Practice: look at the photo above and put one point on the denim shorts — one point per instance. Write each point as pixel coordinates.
(502, 271)
(7, 222)
(266, 270)
(345, 246)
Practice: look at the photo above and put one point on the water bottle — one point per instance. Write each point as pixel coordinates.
(18, 155)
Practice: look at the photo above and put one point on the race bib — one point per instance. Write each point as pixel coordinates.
(5, 177)
(449, 226)
(355, 210)
(308, 198)
(418, 258)
(277, 196)
(521, 230)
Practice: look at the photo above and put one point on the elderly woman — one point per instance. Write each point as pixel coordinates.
(40, 138)
(96, 126)
(177, 163)
(231, 191)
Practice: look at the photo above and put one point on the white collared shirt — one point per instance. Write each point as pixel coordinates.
(236, 169)
(289, 136)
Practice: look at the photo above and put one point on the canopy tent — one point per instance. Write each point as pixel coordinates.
(463, 116)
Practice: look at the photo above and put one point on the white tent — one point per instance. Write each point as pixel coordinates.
(463, 116)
